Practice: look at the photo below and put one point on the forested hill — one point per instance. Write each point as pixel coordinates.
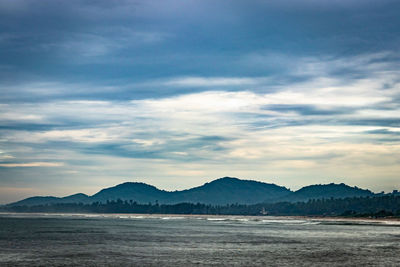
(225, 190)
(32, 201)
(326, 191)
(222, 191)
(231, 190)
(140, 192)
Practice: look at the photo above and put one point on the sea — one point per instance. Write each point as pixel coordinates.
(194, 240)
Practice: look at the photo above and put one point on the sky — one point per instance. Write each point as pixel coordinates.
(179, 93)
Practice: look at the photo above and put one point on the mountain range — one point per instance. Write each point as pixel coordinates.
(222, 191)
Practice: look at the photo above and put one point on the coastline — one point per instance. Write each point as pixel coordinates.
(265, 218)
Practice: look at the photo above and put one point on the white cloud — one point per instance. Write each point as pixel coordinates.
(214, 133)
(32, 164)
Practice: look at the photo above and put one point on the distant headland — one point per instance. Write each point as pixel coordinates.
(222, 196)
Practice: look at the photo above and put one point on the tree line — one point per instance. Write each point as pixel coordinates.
(381, 206)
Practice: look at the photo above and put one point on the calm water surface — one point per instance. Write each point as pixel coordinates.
(164, 240)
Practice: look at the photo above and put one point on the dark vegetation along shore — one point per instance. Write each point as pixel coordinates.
(381, 206)
(225, 196)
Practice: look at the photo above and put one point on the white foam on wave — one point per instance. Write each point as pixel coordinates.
(217, 219)
(311, 223)
(358, 221)
(124, 217)
(242, 219)
(92, 215)
(137, 217)
(391, 222)
(230, 219)
(172, 218)
(284, 221)
(267, 220)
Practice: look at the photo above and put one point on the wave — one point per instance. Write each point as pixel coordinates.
(172, 218)
(267, 220)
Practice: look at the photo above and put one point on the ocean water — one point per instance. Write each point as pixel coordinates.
(165, 240)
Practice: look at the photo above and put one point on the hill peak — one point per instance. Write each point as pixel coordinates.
(331, 190)
(332, 186)
(228, 180)
(133, 184)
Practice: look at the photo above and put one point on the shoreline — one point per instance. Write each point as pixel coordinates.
(205, 216)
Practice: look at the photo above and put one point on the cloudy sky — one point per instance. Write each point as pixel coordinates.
(178, 93)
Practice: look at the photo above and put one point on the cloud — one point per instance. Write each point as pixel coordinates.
(278, 91)
(201, 124)
(348, 81)
(308, 110)
(44, 40)
(31, 164)
(212, 81)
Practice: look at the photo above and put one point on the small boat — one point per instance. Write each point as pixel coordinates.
(263, 211)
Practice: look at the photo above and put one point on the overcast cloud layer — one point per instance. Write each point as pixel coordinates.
(178, 93)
